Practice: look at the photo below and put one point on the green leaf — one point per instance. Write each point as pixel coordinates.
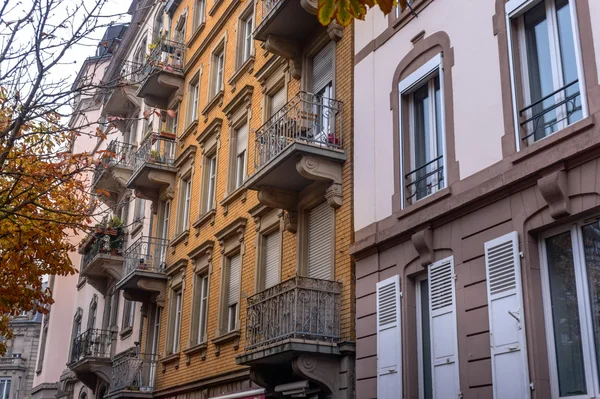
(343, 15)
(326, 11)
(357, 9)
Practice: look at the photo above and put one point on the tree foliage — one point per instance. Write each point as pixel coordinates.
(344, 11)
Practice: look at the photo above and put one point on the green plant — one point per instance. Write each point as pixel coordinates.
(155, 154)
(116, 222)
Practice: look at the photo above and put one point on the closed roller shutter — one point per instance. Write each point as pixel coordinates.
(272, 244)
(277, 101)
(320, 230)
(235, 273)
(322, 68)
(242, 139)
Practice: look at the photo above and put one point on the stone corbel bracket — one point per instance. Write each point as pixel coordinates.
(318, 169)
(553, 188)
(281, 199)
(423, 243)
(286, 49)
(321, 370)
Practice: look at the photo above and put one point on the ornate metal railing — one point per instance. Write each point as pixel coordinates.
(166, 55)
(306, 118)
(302, 307)
(425, 179)
(117, 153)
(156, 149)
(134, 372)
(91, 343)
(12, 362)
(538, 115)
(146, 254)
(109, 243)
(131, 72)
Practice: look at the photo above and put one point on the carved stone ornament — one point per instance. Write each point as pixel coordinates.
(315, 168)
(290, 221)
(333, 195)
(423, 243)
(554, 191)
(279, 199)
(286, 49)
(322, 370)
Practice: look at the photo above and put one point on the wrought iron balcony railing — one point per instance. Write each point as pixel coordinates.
(166, 55)
(92, 343)
(306, 118)
(146, 254)
(117, 153)
(425, 179)
(543, 116)
(134, 372)
(158, 149)
(132, 73)
(302, 307)
(109, 242)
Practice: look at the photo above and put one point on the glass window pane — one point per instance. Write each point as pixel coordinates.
(438, 131)
(591, 247)
(568, 61)
(421, 142)
(539, 70)
(565, 316)
(426, 340)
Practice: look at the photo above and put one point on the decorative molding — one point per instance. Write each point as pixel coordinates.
(278, 198)
(241, 99)
(202, 219)
(316, 168)
(204, 253)
(192, 350)
(335, 31)
(423, 243)
(237, 227)
(241, 192)
(290, 221)
(172, 358)
(286, 49)
(247, 66)
(184, 237)
(554, 191)
(187, 155)
(322, 370)
(334, 196)
(216, 100)
(187, 131)
(214, 127)
(230, 336)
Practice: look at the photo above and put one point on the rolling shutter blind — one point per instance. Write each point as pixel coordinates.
(242, 139)
(320, 241)
(235, 270)
(322, 68)
(272, 244)
(277, 101)
(510, 375)
(444, 343)
(389, 339)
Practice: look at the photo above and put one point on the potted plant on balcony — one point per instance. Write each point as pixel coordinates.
(155, 156)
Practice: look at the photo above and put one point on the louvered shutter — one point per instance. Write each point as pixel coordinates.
(322, 68)
(272, 244)
(444, 344)
(510, 375)
(235, 270)
(389, 339)
(277, 101)
(320, 230)
(242, 139)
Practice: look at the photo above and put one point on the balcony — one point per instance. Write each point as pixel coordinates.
(144, 279)
(287, 20)
(296, 316)
(164, 73)
(133, 374)
(302, 143)
(113, 170)
(13, 363)
(154, 168)
(103, 257)
(91, 356)
(123, 98)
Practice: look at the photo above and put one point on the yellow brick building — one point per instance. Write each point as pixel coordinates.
(250, 180)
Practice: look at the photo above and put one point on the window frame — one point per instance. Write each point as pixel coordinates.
(202, 325)
(588, 345)
(193, 100)
(514, 9)
(218, 77)
(128, 314)
(419, 327)
(199, 19)
(176, 308)
(433, 67)
(210, 183)
(6, 384)
(228, 320)
(184, 204)
(235, 179)
(245, 38)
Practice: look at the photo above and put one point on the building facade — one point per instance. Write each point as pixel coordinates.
(476, 200)
(17, 366)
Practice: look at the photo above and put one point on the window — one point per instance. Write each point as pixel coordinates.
(210, 181)
(422, 132)
(233, 294)
(199, 11)
(139, 209)
(175, 321)
(571, 295)
(159, 23)
(128, 314)
(423, 339)
(276, 101)
(202, 306)
(272, 246)
(163, 232)
(180, 30)
(241, 141)
(320, 241)
(219, 65)
(172, 123)
(245, 40)
(114, 308)
(184, 205)
(194, 92)
(92, 312)
(5, 388)
(545, 52)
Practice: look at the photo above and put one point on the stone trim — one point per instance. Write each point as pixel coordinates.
(187, 131)
(241, 192)
(202, 219)
(242, 98)
(217, 99)
(247, 66)
(214, 127)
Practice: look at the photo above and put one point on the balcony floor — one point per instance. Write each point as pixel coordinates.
(283, 352)
(287, 19)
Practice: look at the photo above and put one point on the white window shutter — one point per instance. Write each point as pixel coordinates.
(510, 374)
(235, 275)
(444, 342)
(389, 339)
(242, 139)
(320, 233)
(272, 244)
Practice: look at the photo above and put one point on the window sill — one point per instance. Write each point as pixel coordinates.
(136, 227)
(196, 34)
(202, 219)
(188, 130)
(181, 237)
(172, 358)
(126, 333)
(239, 192)
(247, 66)
(443, 193)
(552, 140)
(217, 99)
(225, 338)
(192, 350)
